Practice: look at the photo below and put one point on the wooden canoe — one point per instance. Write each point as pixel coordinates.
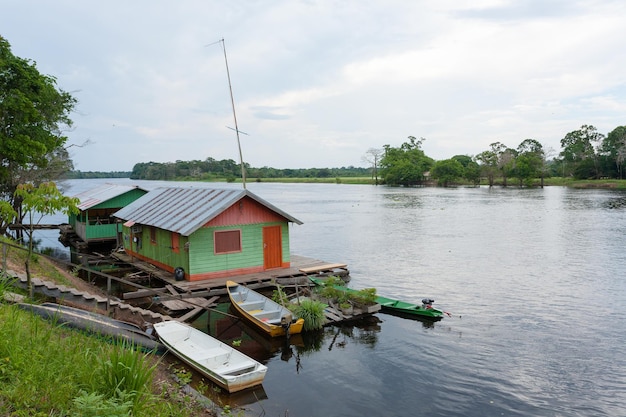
(95, 323)
(221, 363)
(265, 314)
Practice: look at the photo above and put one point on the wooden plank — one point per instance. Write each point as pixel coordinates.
(142, 293)
(190, 315)
(175, 304)
(203, 305)
(320, 268)
(331, 314)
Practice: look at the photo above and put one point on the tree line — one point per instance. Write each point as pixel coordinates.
(210, 168)
(585, 154)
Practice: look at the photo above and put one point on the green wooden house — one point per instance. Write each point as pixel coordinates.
(203, 233)
(93, 223)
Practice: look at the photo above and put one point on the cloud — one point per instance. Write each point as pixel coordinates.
(316, 84)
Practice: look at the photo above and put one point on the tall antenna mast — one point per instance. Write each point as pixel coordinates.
(232, 102)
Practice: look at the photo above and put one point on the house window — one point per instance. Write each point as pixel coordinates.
(227, 241)
(153, 235)
(175, 242)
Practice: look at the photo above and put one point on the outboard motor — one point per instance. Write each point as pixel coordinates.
(179, 274)
(285, 323)
(427, 302)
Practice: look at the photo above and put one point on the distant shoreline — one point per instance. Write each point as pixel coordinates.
(511, 182)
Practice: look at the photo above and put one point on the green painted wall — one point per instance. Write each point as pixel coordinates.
(101, 231)
(200, 257)
(104, 231)
(162, 251)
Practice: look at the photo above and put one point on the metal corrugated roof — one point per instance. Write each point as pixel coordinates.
(185, 210)
(105, 192)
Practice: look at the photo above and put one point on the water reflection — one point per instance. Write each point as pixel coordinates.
(536, 274)
(224, 324)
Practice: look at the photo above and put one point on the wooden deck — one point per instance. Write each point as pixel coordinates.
(185, 295)
(192, 298)
(301, 266)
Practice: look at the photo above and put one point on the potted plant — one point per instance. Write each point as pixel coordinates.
(346, 308)
(365, 300)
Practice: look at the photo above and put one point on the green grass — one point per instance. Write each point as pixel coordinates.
(602, 183)
(47, 370)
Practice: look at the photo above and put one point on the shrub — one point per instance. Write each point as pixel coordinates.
(313, 314)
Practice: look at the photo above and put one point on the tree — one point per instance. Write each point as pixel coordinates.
(506, 163)
(372, 157)
(37, 202)
(614, 148)
(488, 165)
(447, 171)
(580, 153)
(471, 170)
(405, 165)
(33, 113)
(498, 158)
(529, 161)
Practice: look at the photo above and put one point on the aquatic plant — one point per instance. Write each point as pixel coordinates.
(313, 314)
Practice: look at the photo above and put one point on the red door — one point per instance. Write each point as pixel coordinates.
(272, 247)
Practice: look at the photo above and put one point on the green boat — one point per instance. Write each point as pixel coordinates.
(397, 307)
(424, 310)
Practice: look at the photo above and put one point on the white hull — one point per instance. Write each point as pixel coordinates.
(223, 364)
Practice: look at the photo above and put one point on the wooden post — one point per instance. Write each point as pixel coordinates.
(108, 294)
(4, 257)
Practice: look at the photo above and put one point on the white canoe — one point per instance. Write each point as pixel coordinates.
(223, 364)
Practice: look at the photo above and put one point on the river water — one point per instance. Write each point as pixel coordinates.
(534, 280)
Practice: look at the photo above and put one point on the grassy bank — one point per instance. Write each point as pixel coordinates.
(570, 182)
(50, 370)
(47, 370)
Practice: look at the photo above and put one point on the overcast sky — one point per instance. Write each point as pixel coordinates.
(318, 83)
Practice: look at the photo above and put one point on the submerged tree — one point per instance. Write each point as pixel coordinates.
(471, 169)
(405, 165)
(488, 165)
(372, 157)
(529, 161)
(447, 171)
